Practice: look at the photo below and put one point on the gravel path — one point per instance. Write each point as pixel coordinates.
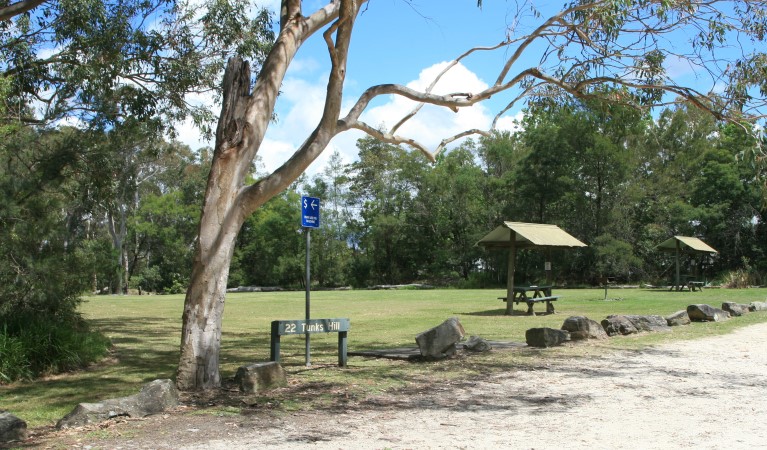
(705, 394)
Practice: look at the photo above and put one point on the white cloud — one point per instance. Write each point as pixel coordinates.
(302, 100)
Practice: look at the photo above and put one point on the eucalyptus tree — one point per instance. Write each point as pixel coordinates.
(589, 43)
(383, 184)
(98, 62)
(449, 211)
(332, 257)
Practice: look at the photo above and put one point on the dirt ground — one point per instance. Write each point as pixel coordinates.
(705, 394)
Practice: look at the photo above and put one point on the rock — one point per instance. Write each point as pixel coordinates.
(260, 376)
(477, 344)
(581, 327)
(648, 323)
(678, 318)
(546, 337)
(758, 306)
(615, 325)
(735, 309)
(11, 428)
(154, 397)
(439, 342)
(706, 313)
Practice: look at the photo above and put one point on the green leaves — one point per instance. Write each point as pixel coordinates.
(106, 61)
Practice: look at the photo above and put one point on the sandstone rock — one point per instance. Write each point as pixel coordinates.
(260, 376)
(678, 318)
(546, 337)
(439, 342)
(650, 323)
(706, 313)
(735, 309)
(615, 325)
(477, 344)
(11, 428)
(154, 397)
(581, 327)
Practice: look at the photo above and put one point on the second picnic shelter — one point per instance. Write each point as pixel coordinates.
(685, 244)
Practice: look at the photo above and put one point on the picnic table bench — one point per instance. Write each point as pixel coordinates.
(691, 285)
(539, 294)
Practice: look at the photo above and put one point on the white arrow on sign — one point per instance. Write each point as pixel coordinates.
(314, 205)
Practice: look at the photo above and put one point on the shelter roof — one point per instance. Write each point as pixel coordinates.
(686, 243)
(529, 235)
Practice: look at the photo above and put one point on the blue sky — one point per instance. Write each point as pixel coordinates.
(394, 42)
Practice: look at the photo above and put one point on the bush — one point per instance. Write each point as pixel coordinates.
(35, 346)
(13, 362)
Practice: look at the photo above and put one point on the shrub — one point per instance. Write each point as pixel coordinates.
(35, 346)
(13, 361)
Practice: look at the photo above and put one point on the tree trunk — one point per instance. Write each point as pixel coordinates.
(228, 201)
(220, 222)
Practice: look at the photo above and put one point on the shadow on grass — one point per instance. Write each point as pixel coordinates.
(502, 312)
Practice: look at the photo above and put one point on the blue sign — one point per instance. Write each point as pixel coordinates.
(310, 212)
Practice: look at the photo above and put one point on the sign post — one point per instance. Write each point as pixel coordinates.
(310, 218)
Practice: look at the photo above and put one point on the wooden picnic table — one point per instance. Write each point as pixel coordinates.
(539, 294)
(691, 285)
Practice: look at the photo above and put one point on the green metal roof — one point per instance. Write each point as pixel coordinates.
(687, 244)
(529, 235)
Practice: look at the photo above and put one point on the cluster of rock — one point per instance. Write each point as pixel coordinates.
(579, 328)
(154, 397)
(444, 341)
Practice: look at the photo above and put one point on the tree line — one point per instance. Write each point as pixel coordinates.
(617, 179)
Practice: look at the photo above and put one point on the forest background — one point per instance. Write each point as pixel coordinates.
(617, 179)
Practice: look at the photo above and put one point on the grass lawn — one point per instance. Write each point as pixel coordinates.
(145, 331)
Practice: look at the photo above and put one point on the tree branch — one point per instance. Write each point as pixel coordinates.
(20, 7)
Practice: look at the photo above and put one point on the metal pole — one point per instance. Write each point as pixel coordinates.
(308, 284)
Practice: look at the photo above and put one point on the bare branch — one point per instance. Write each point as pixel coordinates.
(20, 7)
(439, 77)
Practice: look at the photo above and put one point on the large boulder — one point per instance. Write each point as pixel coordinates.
(12, 429)
(581, 327)
(615, 325)
(650, 323)
(758, 306)
(546, 337)
(678, 318)
(735, 309)
(259, 377)
(439, 342)
(154, 397)
(706, 313)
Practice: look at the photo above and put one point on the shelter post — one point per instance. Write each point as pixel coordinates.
(510, 274)
(677, 287)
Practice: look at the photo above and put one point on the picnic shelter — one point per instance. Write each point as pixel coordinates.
(521, 235)
(689, 245)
